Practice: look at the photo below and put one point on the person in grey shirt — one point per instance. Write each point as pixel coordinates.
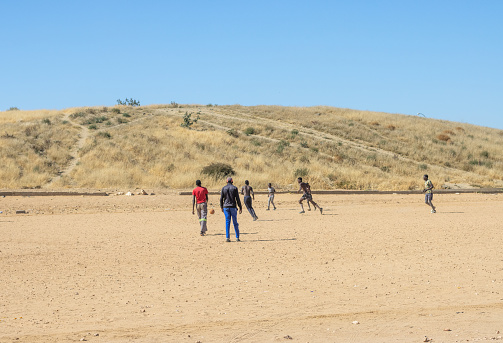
(229, 199)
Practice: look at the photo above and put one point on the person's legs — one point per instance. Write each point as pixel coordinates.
(428, 200)
(227, 213)
(301, 205)
(234, 215)
(202, 210)
(248, 203)
(271, 201)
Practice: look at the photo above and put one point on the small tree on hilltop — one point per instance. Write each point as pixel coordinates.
(188, 121)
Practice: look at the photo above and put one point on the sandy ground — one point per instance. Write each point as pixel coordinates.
(134, 269)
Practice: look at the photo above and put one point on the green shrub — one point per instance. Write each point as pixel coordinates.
(301, 172)
(282, 145)
(46, 121)
(77, 115)
(423, 166)
(249, 131)
(484, 154)
(116, 110)
(92, 127)
(104, 134)
(127, 115)
(233, 133)
(129, 102)
(218, 170)
(188, 121)
(294, 132)
(304, 144)
(13, 109)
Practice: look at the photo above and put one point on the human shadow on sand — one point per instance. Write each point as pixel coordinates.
(232, 232)
(269, 240)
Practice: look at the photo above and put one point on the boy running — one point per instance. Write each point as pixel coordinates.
(306, 188)
(200, 195)
(271, 191)
(428, 189)
(247, 190)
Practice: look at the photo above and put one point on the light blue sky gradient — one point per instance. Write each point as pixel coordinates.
(441, 58)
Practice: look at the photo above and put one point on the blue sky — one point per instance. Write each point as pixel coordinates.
(440, 58)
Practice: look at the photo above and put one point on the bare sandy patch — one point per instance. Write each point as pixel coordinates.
(373, 268)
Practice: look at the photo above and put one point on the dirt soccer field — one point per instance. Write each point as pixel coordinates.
(373, 268)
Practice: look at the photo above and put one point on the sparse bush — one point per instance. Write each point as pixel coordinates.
(13, 109)
(188, 121)
(484, 154)
(255, 142)
(301, 172)
(282, 145)
(375, 123)
(174, 104)
(249, 131)
(91, 110)
(77, 115)
(218, 170)
(92, 127)
(104, 134)
(129, 102)
(314, 149)
(304, 144)
(391, 127)
(127, 115)
(46, 121)
(423, 166)
(121, 121)
(233, 133)
(443, 137)
(116, 110)
(294, 132)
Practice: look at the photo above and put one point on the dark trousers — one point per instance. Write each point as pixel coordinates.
(248, 204)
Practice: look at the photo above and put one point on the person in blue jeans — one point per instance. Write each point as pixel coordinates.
(229, 198)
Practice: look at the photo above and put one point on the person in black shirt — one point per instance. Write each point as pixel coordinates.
(229, 198)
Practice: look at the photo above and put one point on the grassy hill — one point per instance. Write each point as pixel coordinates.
(333, 148)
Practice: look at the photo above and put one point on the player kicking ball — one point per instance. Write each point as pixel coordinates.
(428, 189)
(304, 186)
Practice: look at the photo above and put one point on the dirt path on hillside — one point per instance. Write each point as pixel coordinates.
(374, 268)
(323, 136)
(83, 135)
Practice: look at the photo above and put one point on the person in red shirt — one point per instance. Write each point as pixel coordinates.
(200, 196)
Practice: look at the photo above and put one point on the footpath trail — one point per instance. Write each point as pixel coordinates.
(83, 135)
(312, 133)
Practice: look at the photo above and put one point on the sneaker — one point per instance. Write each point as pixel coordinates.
(228, 240)
(433, 211)
(202, 233)
(321, 210)
(275, 209)
(302, 212)
(238, 240)
(309, 209)
(255, 218)
(267, 209)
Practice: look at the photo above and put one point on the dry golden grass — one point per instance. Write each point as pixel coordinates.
(145, 147)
